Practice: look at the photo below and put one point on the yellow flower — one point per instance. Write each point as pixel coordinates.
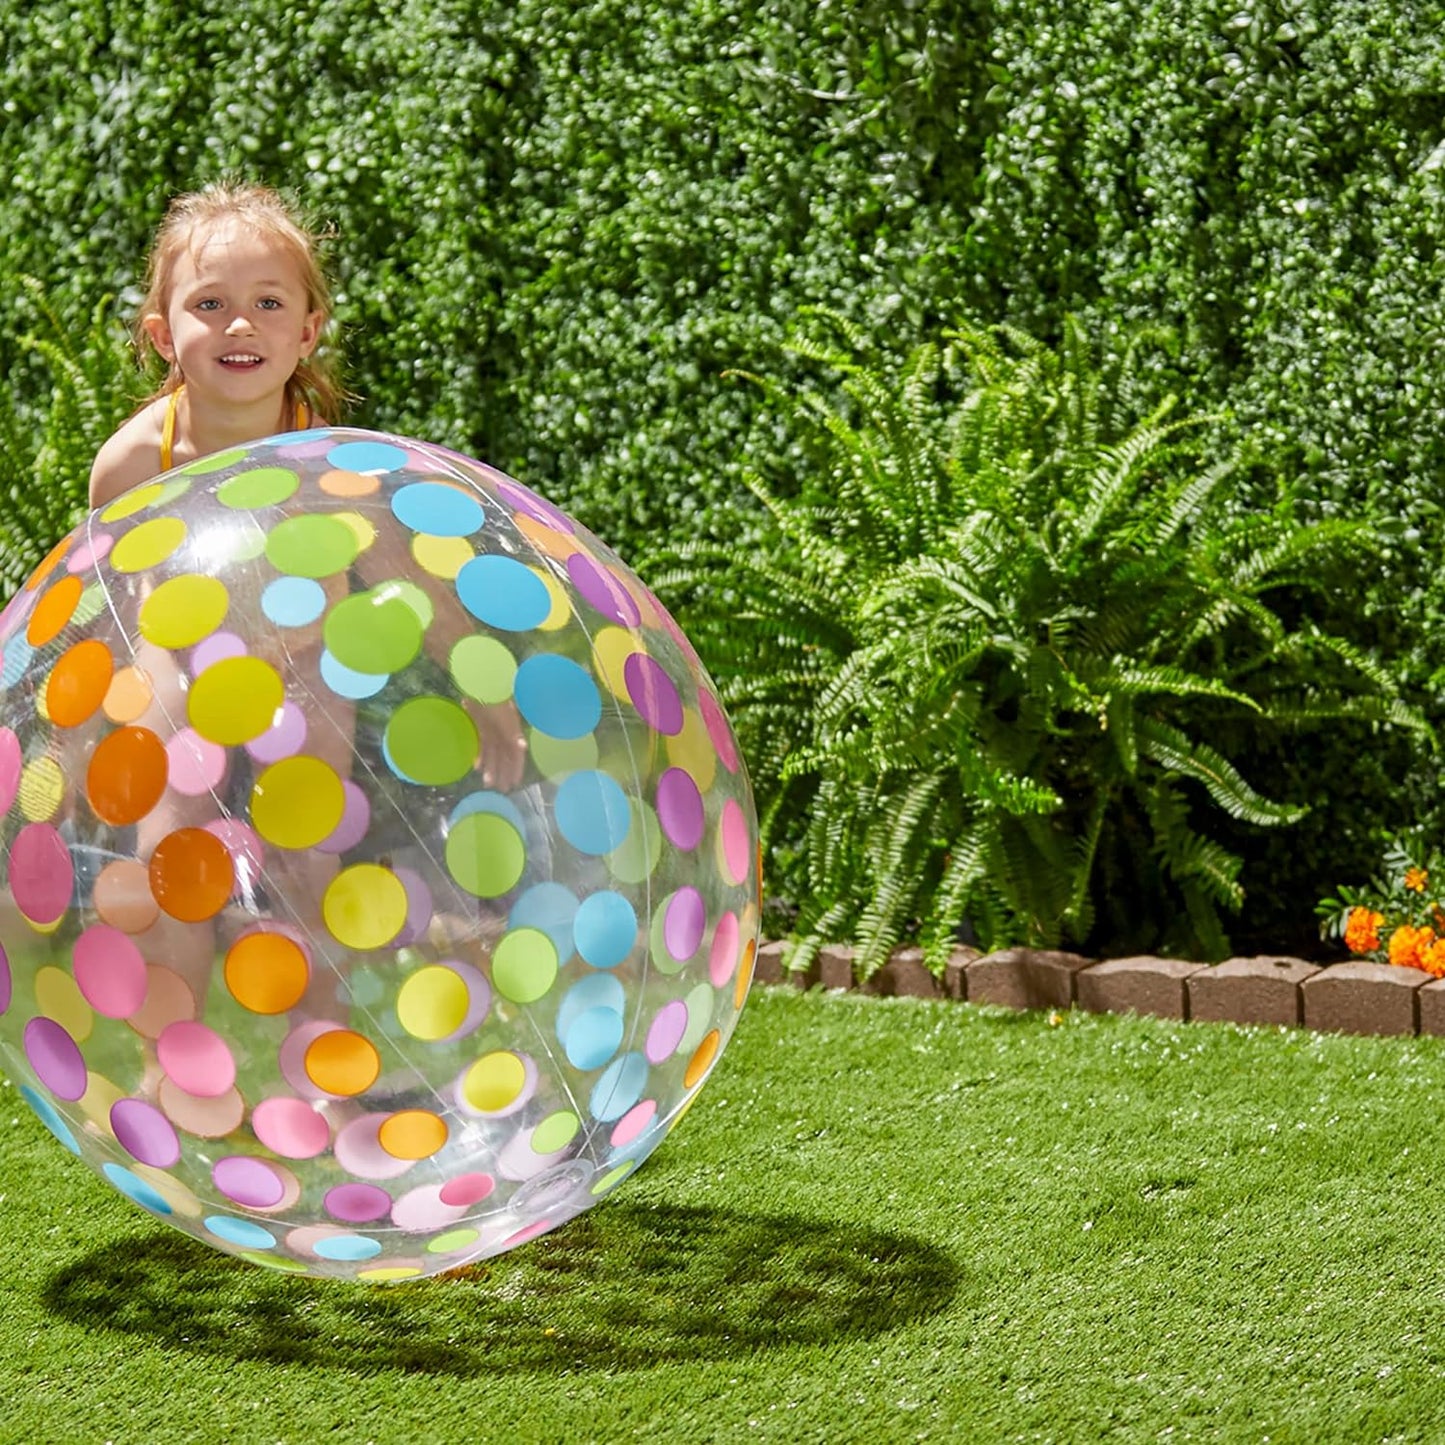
(1416, 879)
(1407, 945)
(1362, 930)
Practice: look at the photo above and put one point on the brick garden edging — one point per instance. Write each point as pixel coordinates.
(1352, 997)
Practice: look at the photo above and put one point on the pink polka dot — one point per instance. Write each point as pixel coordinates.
(195, 764)
(96, 549)
(633, 1123)
(291, 1057)
(679, 809)
(110, 971)
(603, 590)
(55, 1057)
(5, 981)
(718, 729)
(197, 1059)
(418, 907)
(358, 1150)
(419, 1211)
(683, 923)
(10, 765)
(290, 1128)
(736, 842)
(248, 853)
(467, 1189)
(252, 1183)
(723, 958)
(41, 874)
(283, 739)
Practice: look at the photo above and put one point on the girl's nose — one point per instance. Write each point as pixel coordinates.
(240, 325)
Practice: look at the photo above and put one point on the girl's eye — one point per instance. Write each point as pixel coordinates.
(209, 304)
(269, 303)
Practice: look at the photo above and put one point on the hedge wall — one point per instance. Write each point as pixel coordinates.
(557, 224)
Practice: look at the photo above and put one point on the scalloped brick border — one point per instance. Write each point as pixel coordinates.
(1352, 997)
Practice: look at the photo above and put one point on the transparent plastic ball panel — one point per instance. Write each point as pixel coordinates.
(381, 877)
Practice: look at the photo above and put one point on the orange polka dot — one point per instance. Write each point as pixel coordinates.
(546, 539)
(266, 972)
(127, 776)
(53, 611)
(347, 484)
(342, 1062)
(191, 875)
(701, 1061)
(745, 973)
(412, 1134)
(50, 562)
(78, 683)
(123, 897)
(129, 695)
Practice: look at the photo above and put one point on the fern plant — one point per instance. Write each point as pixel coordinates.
(982, 664)
(46, 452)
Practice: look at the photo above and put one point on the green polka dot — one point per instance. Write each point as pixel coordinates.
(260, 487)
(556, 758)
(314, 546)
(483, 668)
(374, 632)
(273, 1261)
(524, 965)
(635, 860)
(453, 1240)
(485, 854)
(205, 465)
(613, 1177)
(92, 600)
(555, 1132)
(431, 739)
(415, 597)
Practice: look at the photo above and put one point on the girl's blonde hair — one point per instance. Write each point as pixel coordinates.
(188, 221)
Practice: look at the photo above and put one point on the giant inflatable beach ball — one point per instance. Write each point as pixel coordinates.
(380, 870)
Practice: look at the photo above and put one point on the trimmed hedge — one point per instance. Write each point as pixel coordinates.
(558, 224)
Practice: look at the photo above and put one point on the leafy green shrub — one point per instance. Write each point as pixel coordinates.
(46, 451)
(983, 664)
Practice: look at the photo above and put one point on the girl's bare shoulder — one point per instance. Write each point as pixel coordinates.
(130, 456)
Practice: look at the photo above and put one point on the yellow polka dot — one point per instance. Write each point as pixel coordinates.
(42, 786)
(364, 906)
(128, 504)
(443, 557)
(148, 545)
(693, 750)
(298, 802)
(385, 1273)
(180, 612)
(494, 1082)
(611, 648)
(433, 1003)
(58, 997)
(561, 611)
(363, 531)
(235, 700)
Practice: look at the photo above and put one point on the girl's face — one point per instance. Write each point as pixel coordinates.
(237, 323)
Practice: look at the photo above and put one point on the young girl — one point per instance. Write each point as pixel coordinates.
(235, 304)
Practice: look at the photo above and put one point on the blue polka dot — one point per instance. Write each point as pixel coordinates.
(557, 697)
(437, 509)
(592, 812)
(619, 1088)
(347, 1246)
(366, 457)
(593, 1038)
(503, 593)
(483, 801)
(240, 1231)
(605, 929)
(550, 908)
(18, 653)
(346, 683)
(49, 1115)
(596, 991)
(294, 438)
(135, 1189)
(293, 601)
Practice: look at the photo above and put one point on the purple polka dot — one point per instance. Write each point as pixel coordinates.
(418, 908)
(357, 1203)
(683, 923)
(216, 648)
(679, 809)
(283, 739)
(355, 820)
(603, 590)
(145, 1133)
(5, 985)
(718, 730)
(538, 508)
(666, 1032)
(41, 874)
(653, 693)
(249, 1182)
(55, 1057)
(97, 549)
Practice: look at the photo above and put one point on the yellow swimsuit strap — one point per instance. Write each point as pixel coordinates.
(168, 425)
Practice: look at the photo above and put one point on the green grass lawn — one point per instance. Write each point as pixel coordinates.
(886, 1220)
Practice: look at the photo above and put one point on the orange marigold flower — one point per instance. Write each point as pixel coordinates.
(1432, 958)
(1362, 930)
(1407, 944)
(1416, 879)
